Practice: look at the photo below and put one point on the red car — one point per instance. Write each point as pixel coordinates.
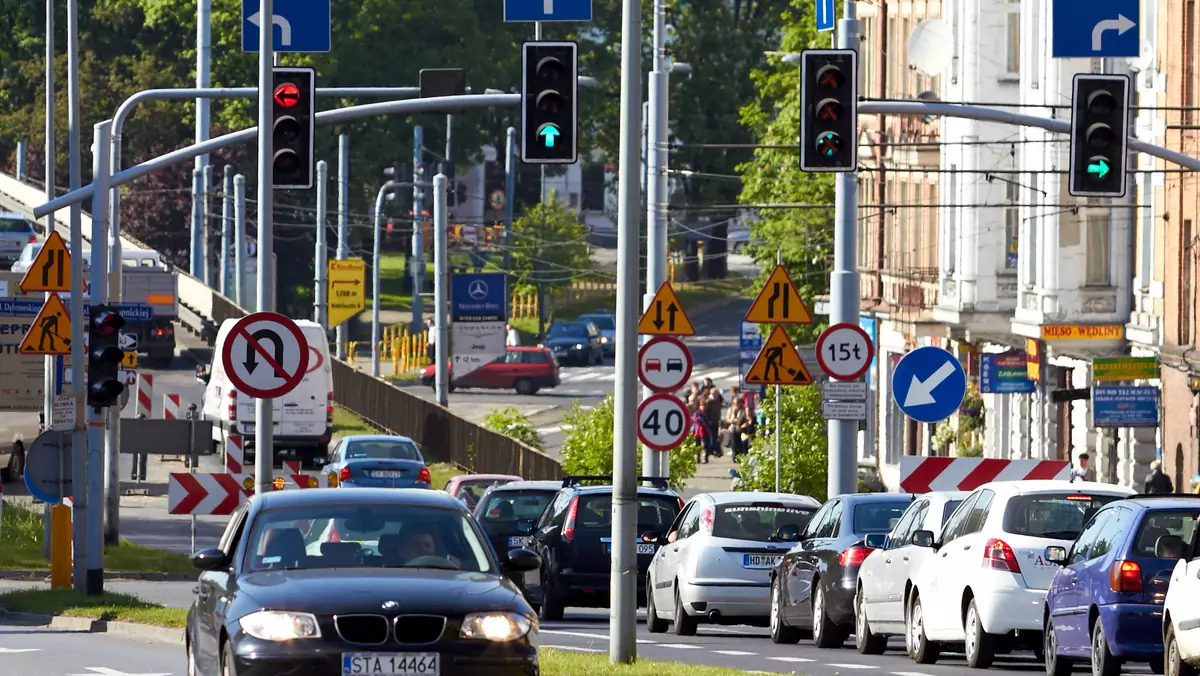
(524, 369)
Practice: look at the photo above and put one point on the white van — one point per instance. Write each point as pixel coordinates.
(303, 420)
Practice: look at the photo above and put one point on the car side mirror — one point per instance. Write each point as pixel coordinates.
(923, 538)
(525, 526)
(1055, 554)
(521, 560)
(788, 533)
(210, 559)
(875, 540)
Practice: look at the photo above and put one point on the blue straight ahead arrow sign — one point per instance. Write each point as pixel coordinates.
(301, 26)
(824, 15)
(929, 384)
(1096, 29)
(516, 11)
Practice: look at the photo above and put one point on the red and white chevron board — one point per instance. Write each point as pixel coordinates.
(921, 475)
(235, 457)
(145, 394)
(171, 407)
(204, 493)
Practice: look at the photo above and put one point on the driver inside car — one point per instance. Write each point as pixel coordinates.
(422, 542)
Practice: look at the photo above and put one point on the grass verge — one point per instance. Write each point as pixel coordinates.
(347, 422)
(21, 548)
(109, 607)
(570, 663)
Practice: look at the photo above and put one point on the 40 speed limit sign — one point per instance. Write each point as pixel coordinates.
(662, 422)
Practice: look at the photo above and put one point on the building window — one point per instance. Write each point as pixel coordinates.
(1012, 226)
(1097, 273)
(1013, 60)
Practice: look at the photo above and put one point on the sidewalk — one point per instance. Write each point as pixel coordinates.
(712, 476)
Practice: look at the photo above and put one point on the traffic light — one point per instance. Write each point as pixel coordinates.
(549, 106)
(293, 114)
(104, 356)
(1099, 130)
(829, 110)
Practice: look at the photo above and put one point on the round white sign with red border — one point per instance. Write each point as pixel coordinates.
(663, 422)
(664, 364)
(265, 355)
(845, 351)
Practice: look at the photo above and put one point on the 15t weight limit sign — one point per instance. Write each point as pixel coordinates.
(845, 351)
(662, 422)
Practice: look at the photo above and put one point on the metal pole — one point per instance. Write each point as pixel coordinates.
(844, 306)
(264, 451)
(196, 264)
(376, 329)
(206, 210)
(440, 297)
(96, 473)
(622, 645)
(449, 135)
(203, 59)
(418, 244)
(226, 226)
(239, 238)
(779, 416)
(319, 263)
(49, 373)
(655, 463)
(112, 431)
(343, 246)
(21, 159)
(79, 441)
(510, 188)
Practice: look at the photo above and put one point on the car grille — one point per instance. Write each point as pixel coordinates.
(362, 629)
(419, 628)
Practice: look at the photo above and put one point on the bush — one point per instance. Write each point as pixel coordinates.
(804, 448)
(588, 446)
(512, 423)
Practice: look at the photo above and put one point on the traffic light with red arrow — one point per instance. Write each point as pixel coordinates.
(293, 116)
(829, 110)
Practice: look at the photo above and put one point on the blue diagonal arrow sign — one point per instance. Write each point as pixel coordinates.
(929, 384)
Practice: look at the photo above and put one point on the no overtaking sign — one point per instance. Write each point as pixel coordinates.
(265, 355)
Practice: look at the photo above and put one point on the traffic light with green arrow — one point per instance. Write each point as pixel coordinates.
(549, 105)
(1099, 135)
(829, 110)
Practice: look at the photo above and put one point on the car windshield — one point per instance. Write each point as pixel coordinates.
(1056, 516)
(471, 490)
(758, 521)
(508, 507)
(878, 517)
(11, 225)
(602, 322)
(567, 331)
(382, 449)
(653, 512)
(1176, 525)
(376, 535)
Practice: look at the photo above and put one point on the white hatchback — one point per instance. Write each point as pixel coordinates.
(985, 586)
(717, 557)
(1181, 613)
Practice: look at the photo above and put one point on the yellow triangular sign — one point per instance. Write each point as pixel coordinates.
(778, 363)
(51, 330)
(665, 315)
(51, 270)
(779, 302)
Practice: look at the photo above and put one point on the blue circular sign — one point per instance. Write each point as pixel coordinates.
(929, 384)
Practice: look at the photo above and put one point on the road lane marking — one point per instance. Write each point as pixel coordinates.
(717, 375)
(584, 634)
(852, 666)
(791, 659)
(680, 646)
(582, 377)
(909, 673)
(6, 651)
(573, 648)
(549, 430)
(734, 653)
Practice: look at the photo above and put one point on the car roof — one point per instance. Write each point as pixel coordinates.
(595, 314)
(727, 497)
(484, 477)
(855, 498)
(947, 495)
(359, 496)
(1171, 501)
(600, 490)
(527, 486)
(378, 437)
(525, 348)
(1035, 486)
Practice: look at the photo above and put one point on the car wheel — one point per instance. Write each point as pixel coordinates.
(228, 668)
(552, 603)
(525, 387)
(780, 632)
(1104, 663)
(685, 625)
(16, 461)
(654, 623)
(981, 646)
(868, 643)
(1056, 665)
(826, 634)
(920, 648)
(1173, 659)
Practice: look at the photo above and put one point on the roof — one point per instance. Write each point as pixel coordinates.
(483, 477)
(946, 495)
(1056, 486)
(377, 437)
(1172, 501)
(608, 488)
(878, 497)
(333, 496)
(724, 497)
(528, 486)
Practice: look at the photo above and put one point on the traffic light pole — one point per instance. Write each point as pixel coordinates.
(322, 253)
(418, 237)
(264, 448)
(343, 246)
(98, 296)
(843, 288)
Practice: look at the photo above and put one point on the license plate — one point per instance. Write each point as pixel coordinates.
(761, 561)
(642, 548)
(387, 474)
(519, 540)
(247, 428)
(390, 664)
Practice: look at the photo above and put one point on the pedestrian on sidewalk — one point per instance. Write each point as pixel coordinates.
(1082, 472)
(512, 336)
(430, 339)
(1157, 482)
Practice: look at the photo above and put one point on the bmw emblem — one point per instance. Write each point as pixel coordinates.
(390, 605)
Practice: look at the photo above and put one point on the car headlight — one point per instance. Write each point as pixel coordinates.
(578, 346)
(495, 626)
(280, 625)
(604, 339)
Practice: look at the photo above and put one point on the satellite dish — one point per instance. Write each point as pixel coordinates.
(930, 47)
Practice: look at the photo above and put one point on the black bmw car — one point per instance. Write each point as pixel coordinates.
(371, 582)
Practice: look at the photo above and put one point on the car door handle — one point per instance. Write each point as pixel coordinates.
(944, 554)
(966, 547)
(905, 558)
(887, 560)
(675, 549)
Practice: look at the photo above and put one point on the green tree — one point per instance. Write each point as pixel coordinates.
(588, 446)
(804, 446)
(549, 244)
(511, 422)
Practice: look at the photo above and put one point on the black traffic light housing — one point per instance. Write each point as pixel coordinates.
(829, 110)
(104, 357)
(293, 116)
(549, 102)
(1099, 135)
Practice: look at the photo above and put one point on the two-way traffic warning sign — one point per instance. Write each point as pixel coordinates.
(665, 315)
(51, 269)
(779, 302)
(778, 363)
(50, 332)
(266, 355)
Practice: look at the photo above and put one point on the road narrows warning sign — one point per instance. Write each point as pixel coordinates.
(665, 315)
(50, 271)
(778, 363)
(779, 302)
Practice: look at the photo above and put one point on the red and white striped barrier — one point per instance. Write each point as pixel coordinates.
(291, 466)
(204, 494)
(235, 456)
(171, 407)
(921, 475)
(145, 395)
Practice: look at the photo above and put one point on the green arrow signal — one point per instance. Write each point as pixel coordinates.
(548, 133)
(1099, 167)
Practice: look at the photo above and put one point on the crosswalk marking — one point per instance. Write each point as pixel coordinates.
(718, 375)
(583, 377)
(605, 374)
(734, 653)
(680, 646)
(791, 659)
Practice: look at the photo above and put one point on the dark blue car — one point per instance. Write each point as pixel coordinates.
(1105, 603)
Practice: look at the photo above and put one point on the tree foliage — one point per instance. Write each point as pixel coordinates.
(550, 245)
(588, 446)
(804, 446)
(511, 422)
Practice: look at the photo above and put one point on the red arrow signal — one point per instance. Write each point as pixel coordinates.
(287, 95)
